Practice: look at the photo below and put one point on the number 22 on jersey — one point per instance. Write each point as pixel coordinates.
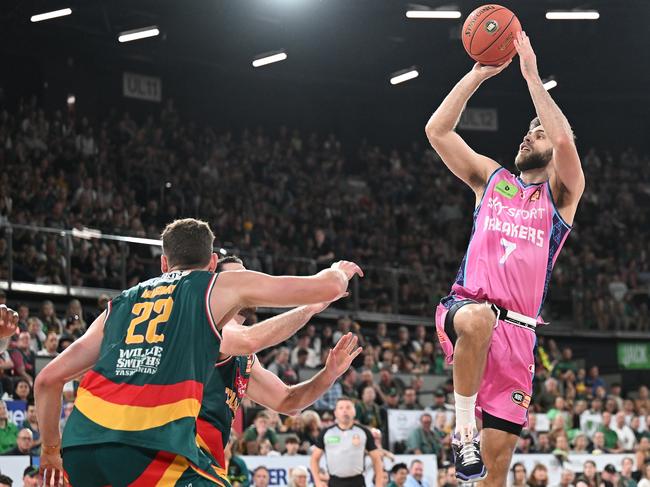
(162, 308)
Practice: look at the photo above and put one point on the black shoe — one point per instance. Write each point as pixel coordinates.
(467, 457)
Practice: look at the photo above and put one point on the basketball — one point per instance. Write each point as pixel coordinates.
(489, 34)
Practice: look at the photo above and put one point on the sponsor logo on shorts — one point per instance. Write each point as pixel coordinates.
(491, 26)
(442, 338)
(521, 399)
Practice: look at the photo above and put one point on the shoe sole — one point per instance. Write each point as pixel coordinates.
(474, 478)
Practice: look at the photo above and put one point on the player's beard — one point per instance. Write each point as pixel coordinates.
(533, 160)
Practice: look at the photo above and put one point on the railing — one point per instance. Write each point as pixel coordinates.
(70, 260)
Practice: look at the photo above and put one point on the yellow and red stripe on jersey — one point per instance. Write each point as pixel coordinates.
(210, 439)
(128, 407)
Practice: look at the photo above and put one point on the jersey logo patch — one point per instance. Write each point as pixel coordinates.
(521, 399)
(506, 189)
(333, 440)
(241, 384)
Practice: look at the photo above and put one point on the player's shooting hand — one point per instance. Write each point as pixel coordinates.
(8, 321)
(52, 470)
(341, 356)
(485, 72)
(527, 58)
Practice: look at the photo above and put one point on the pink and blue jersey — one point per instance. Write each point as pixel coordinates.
(516, 238)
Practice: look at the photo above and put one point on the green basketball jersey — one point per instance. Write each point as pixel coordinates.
(159, 349)
(221, 399)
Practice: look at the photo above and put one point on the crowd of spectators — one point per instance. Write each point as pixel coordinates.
(574, 410)
(292, 202)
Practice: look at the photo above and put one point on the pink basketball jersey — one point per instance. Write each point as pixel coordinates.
(516, 238)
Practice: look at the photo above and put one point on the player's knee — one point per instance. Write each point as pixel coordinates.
(476, 322)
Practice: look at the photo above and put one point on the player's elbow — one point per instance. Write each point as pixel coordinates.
(47, 379)
(434, 131)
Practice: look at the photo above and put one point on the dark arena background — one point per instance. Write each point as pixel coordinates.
(312, 159)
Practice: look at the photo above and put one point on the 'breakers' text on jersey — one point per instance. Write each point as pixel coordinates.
(516, 238)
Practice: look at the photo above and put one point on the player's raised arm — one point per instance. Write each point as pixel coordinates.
(267, 389)
(243, 289)
(473, 168)
(566, 162)
(246, 340)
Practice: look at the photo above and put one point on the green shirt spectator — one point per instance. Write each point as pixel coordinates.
(423, 440)
(258, 432)
(8, 430)
(611, 438)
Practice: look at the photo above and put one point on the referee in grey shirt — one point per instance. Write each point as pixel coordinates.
(345, 444)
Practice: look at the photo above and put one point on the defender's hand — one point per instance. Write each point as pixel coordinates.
(8, 321)
(350, 269)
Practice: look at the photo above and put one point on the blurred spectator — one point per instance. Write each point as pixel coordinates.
(626, 480)
(423, 440)
(6, 366)
(8, 430)
(49, 319)
(258, 432)
(367, 411)
(6, 481)
(415, 477)
(36, 335)
(399, 473)
(50, 346)
(261, 477)
(645, 475)
(292, 445)
(298, 477)
(539, 476)
(609, 476)
(27, 355)
(311, 428)
(329, 397)
(439, 401)
(518, 471)
(643, 451)
(24, 443)
(387, 382)
(22, 390)
(31, 477)
(237, 471)
(281, 367)
(623, 432)
(349, 384)
(31, 423)
(567, 478)
(410, 400)
(589, 474)
(304, 341)
(611, 438)
(594, 381)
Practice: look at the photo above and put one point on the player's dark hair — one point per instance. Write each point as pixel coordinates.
(536, 122)
(187, 243)
(229, 259)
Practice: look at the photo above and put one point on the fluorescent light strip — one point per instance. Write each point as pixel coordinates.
(273, 58)
(573, 15)
(433, 14)
(401, 78)
(134, 35)
(550, 84)
(51, 15)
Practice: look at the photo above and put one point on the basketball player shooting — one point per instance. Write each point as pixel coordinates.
(487, 324)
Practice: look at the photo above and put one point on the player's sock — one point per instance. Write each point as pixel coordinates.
(465, 419)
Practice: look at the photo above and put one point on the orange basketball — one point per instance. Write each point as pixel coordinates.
(489, 34)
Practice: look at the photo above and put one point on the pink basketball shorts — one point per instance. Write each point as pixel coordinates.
(507, 384)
